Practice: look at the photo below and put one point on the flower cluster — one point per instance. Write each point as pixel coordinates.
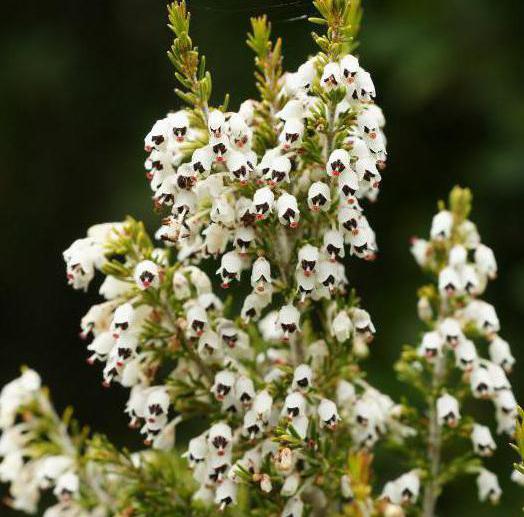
(450, 364)
(37, 453)
(273, 193)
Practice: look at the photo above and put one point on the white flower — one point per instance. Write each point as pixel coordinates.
(349, 66)
(293, 508)
(158, 136)
(197, 320)
(216, 124)
(220, 438)
(202, 159)
(448, 410)
(224, 383)
(265, 484)
(245, 390)
(289, 321)
(481, 383)
(420, 250)
(147, 275)
(294, 405)
(483, 443)
(466, 355)
(179, 123)
(517, 477)
(451, 332)
(290, 485)
(485, 261)
(67, 486)
(441, 225)
(333, 245)
(302, 377)
(365, 88)
(263, 202)
(350, 219)
(345, 488)
(279, 171)
(157, 405)
(287, 210)
(319, 197)
(244, 237)
(328, 414)
(488, 486)
(291, 135)
(230, 268)
(197, 451)
(449, 282)
(338, 162)
(458, 256)
(331, 76)
(348, 186)
(342, 326)
(431, 345)
(262, 405)
(346, 395)
(226, 494)
(500, 353)
(409, 487)
(506, 403)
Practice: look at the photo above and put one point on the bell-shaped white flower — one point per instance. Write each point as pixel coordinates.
(302, 377)
(451, 332)
(224, 383)
(500, 353)
(466, 355)
(202, 159)
(279, 171)
(409, 487)
(348, 185)
(230, 268)
(219, 438)
(226, 494)
(245, 390)
(483, 443)
(365, 89)
(294, 405)
(147, 275)
(441, 225)
(216, 124)
(308, 257)
(331, 76)
(488, 486)
(123, 319)
(238, 167)
(290, 485)
(485, 261)
(481, 383)
(263, 201)
(431, 345)
(66, 486)
(291, 135)
(333, 245)
(289, 321)
(262, 405)
(158, 136)
(328, 414)
(448, 410)
(338, 162)
(287, 210)
(420, 249)
(319, 197)
(349, 219)
(349, 67)
(293, 508)
(342, 326)
(449, 282)
(244, 237)
(197, 320)
(261, 275)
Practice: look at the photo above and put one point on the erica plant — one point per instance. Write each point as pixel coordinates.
(236, 319)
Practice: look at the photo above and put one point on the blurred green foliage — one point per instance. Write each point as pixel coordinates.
(82, 82)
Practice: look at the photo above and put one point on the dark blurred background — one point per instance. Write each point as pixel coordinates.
(81, 82)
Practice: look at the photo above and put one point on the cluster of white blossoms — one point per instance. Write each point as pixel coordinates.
(27, 474)
(463, 328)
(284, 220)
